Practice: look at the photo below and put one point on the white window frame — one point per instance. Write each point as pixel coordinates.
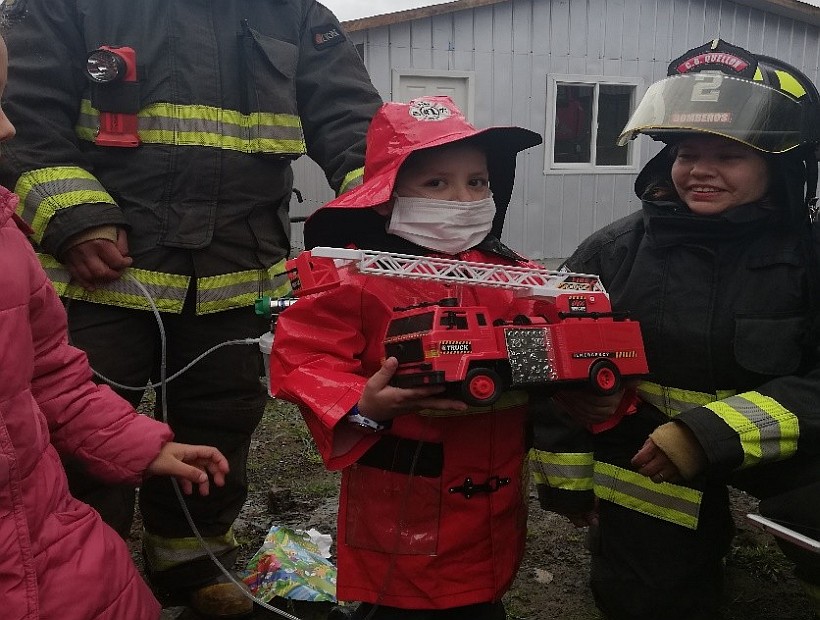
(596, 81)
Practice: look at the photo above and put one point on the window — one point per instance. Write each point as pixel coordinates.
(454, 320)
(585, 114)
(411, 324)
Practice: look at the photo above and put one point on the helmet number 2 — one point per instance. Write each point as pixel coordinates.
(707, 86)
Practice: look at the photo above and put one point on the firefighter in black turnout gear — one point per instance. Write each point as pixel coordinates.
(720, 269)
(166, 161)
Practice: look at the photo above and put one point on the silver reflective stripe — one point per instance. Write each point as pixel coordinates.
(200, 125)
(56, 187)
(670, 502)
(242, 288)
(767, 430)
(562, 470)
(673, 401)
(167, 290)
(45, 191)
(248, 132)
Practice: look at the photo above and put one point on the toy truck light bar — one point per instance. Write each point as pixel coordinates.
(317, 270)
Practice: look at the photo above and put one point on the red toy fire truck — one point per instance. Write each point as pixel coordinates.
(575, 337)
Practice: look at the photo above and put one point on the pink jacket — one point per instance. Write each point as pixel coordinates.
(57, 557)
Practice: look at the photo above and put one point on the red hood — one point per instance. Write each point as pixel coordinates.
(399, 129)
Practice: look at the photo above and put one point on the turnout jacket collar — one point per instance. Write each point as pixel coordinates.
(669, 224)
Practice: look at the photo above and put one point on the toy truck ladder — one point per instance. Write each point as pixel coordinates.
(526, 281)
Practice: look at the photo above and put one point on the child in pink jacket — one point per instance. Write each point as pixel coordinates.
(57, 557)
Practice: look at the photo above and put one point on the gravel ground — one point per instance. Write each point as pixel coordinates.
(289, 486)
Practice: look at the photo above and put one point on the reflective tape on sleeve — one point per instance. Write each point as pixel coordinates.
(352, 179)
(767, 430)
(571, 471)
(45, 191)
(673, 401)
(671, 502)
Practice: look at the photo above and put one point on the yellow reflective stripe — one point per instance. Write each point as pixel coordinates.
(787, 82)
(790, 84)
(571, 471)
(673, 401)
(352, 179)
(767, 430)
(238, 289)
(164, 553)
(44, 191)
(166, 289)
(670, 502)
(200, 125)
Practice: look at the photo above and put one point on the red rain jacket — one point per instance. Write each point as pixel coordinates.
(405, 539)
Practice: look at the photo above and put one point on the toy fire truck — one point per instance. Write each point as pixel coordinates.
(575, 338)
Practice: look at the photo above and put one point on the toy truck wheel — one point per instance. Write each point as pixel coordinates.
(481, 387)
(605, 377)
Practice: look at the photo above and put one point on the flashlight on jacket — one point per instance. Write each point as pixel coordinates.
(112, 71)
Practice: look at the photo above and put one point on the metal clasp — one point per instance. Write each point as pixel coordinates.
(468, 489)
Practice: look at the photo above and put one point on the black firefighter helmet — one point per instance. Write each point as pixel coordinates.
(724, 90)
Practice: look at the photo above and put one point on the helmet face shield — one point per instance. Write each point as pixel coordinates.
(712, 102)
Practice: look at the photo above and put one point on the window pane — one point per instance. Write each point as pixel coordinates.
(614, 107)
(573, 123)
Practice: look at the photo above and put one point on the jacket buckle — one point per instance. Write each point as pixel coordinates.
(468, 489)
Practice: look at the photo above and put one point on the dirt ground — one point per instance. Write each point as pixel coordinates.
(289, 486)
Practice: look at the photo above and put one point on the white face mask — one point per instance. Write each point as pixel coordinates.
(446, 226)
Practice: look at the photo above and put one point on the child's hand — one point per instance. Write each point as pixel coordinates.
(583, 519)
(190, 465)
(380, 401)
(586, 407)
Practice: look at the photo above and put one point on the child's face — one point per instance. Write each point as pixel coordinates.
(456, 172)
(6, 128)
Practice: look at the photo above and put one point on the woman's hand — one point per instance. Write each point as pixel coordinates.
(98, 261)
(653, 463)
(381, 401)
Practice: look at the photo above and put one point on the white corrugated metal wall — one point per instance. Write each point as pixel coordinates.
(513, 46)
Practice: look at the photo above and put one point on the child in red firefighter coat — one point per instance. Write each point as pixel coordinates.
(433, 502)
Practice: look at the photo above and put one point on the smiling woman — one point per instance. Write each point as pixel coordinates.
(712, 174)
(719, 267)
